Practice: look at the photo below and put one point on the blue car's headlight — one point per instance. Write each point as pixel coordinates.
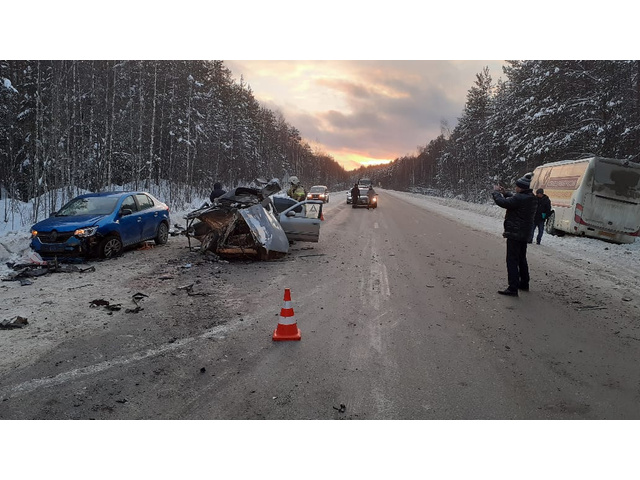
(85, 232)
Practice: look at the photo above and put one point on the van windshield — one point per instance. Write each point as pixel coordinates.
(616, 181)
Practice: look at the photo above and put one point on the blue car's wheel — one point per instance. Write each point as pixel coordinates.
(163, 234)
(110, 247)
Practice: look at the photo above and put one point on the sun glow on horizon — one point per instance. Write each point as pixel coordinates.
(353, 161)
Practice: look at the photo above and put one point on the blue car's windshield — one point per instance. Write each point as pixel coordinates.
(88, 206)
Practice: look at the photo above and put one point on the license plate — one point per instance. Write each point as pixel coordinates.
(606, 234)
(52, 248)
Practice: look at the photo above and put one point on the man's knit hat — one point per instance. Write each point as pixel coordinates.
(524, 181)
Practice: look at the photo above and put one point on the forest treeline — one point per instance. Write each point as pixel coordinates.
(543, 111)
(92, 125)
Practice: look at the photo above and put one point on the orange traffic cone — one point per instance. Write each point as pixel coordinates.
(287, 328)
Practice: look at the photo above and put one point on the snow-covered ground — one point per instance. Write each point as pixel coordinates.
(619, 261)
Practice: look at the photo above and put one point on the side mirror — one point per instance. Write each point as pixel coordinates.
(126, 211)
(53, 214)
(290, 213)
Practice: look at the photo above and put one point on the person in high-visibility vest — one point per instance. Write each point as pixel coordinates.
(296, 191)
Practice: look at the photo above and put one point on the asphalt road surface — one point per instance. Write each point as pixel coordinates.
(399, 315)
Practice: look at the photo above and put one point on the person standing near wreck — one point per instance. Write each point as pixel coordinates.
(217, 192)
(355, 194)
(518, 222)
(296, 191)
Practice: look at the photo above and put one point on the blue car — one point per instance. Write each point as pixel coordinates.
(101, 225)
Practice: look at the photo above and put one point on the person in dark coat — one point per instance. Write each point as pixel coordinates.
(217, 192)
(542, 212)
(518, 222)
(355, 194)
(371, 194)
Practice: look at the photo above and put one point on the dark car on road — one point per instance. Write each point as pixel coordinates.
(102, 225)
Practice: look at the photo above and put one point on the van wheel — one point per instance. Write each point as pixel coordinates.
(549, 225)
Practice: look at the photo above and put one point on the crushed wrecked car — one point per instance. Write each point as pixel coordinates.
(101, 224)
(245, 222)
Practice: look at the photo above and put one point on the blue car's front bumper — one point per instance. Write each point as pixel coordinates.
(71, 247)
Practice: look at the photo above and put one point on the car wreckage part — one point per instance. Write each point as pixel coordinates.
(249, 232)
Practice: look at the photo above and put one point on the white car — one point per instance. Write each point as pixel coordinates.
(299, 220)
(318, 192)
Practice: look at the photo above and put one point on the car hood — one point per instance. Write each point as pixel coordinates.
(67, 224)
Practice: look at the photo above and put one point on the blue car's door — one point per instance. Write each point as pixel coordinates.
(150, 216)
(130, 224)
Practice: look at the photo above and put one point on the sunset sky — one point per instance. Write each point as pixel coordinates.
(361, 111)
(364, 112)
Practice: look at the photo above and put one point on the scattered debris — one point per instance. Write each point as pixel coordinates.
(113, 307)
(202, 370)
(177, 230)
(22, 271)
(81, 286)
(15, 322)
(136, 297)
(590, 307)
(98, 303)
(342, 409)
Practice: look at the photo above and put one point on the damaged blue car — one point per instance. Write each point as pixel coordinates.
(101, 225)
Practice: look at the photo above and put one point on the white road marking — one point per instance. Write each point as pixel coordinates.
(31, 385)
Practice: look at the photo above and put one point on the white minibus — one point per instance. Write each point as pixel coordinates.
(595, 197)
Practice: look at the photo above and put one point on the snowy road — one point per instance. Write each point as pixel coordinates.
(399, 316)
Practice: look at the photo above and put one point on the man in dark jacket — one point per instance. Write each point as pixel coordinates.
(217, 192)
(355, 194)
(518, 222)
(543, 211)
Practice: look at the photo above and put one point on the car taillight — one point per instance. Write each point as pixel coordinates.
(578, 215)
